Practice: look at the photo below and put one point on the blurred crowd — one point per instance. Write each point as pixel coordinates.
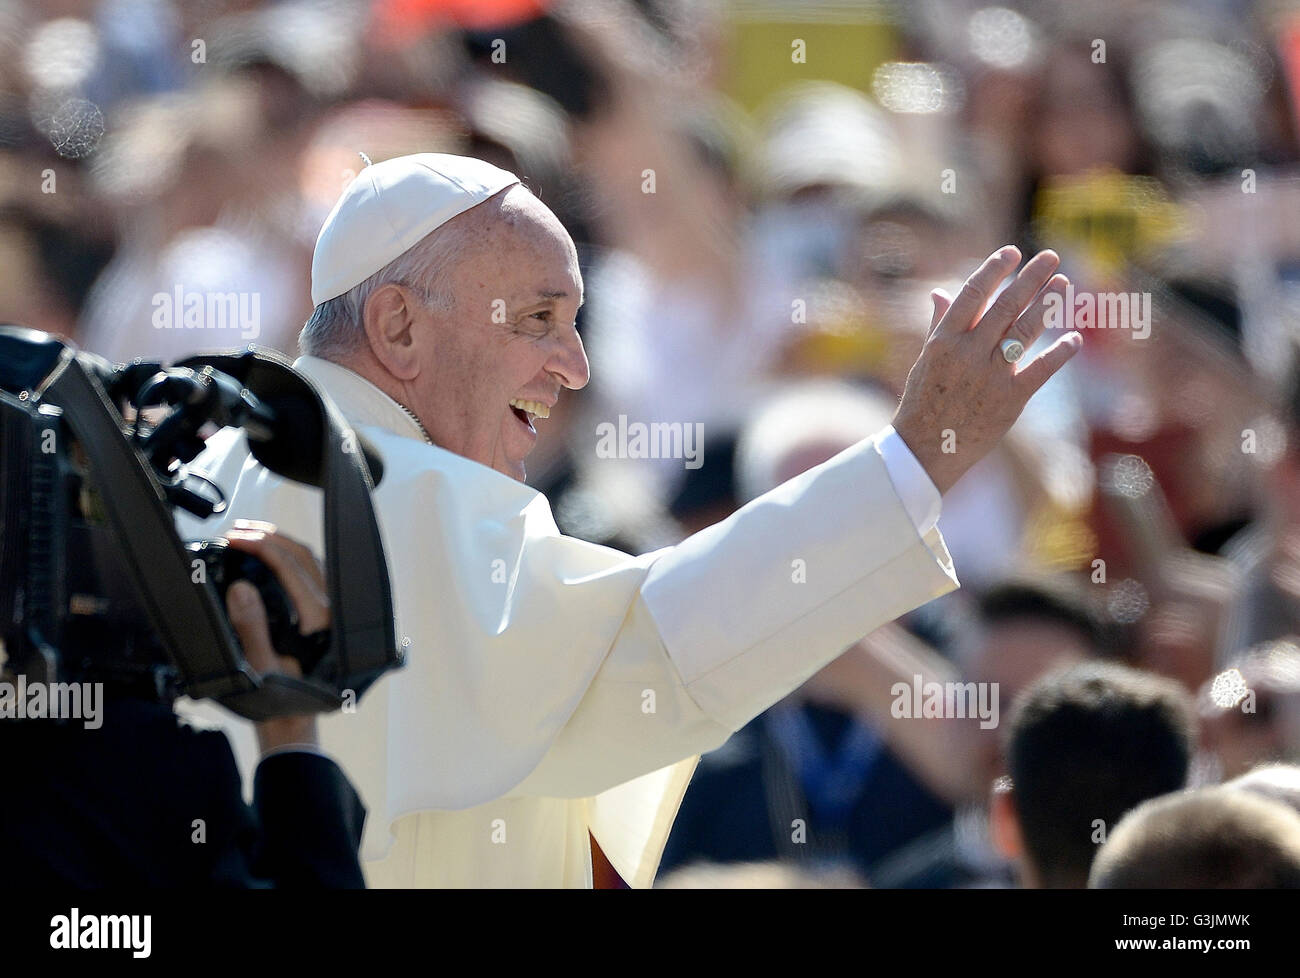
(763, 195)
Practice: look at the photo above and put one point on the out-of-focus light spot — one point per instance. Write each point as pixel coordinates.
(915, 87)
(1228, 689)
(1127, 601)
(74, 128)
(1127, 475)
(61, 53)
(1000, 37)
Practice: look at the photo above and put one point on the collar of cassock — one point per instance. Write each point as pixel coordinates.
(366, 403)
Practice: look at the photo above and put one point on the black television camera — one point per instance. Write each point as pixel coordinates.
(96, 584)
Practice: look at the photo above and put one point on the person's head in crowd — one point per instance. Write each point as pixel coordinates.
(1199, 324)
(826, 153)
(521, 130)
(707, 494)
(1217, 838)
(1250, 711)
(1084, 117)
(1281, 782)
(909, 235)
(1025, 627)
(1200, 130)
(1085, 745)
(800, 425)
(1021, 629)
(48, 264)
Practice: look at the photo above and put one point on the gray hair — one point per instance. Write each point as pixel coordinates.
(335, 329)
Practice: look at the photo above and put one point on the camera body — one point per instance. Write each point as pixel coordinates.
(95, 583)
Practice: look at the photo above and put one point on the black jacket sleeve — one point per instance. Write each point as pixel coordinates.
(310, 820)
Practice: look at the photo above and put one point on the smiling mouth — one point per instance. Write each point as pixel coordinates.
(526, 411)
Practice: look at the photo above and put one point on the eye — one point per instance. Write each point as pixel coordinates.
(544, 316)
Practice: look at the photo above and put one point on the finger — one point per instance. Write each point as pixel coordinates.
(258, 542)
(302, 579)
(303, 583)
(302, 556)
(1016, 296)
(248, 618)
(977, 290)
(942, 301)
(308, 598)
(1033, 321)
(1039, 371)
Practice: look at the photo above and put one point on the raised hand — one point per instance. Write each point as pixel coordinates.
(962, 394)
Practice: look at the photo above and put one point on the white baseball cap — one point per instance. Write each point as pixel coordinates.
(389, 207)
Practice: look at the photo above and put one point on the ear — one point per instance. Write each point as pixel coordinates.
(390, 322)
(1004, 824)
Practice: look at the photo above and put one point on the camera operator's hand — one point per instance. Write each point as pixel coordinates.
(304, 582)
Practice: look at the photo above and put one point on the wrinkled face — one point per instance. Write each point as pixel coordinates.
(500, 357)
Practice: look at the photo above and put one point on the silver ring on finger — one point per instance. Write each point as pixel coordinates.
(1012, 350)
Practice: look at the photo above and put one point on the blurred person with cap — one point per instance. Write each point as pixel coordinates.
(554, 688)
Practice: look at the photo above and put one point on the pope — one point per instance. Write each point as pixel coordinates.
(555, 688)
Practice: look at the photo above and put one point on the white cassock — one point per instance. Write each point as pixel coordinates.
(555, 687)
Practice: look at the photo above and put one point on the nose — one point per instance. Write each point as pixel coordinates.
(569, 363)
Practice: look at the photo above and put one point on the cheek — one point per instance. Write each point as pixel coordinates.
(521, 361)
(467, 366)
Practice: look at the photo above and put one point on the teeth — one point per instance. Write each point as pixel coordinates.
(536, 408)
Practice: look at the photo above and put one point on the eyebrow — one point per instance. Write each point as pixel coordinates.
(558, 294)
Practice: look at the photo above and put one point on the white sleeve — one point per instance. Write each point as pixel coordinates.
(738, 615)
(919, 494)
